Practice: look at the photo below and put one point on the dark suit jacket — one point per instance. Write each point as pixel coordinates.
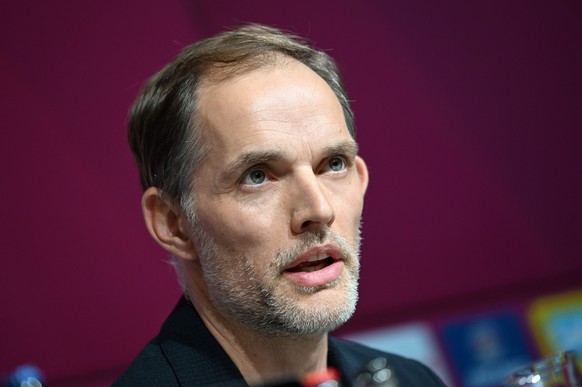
(184, 353)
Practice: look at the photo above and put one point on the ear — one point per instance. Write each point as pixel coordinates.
(362, 173)
(166, 224)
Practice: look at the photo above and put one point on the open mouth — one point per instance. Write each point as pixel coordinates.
(316, 267)
(310, 266)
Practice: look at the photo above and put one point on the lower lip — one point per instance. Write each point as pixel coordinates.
(318, 277)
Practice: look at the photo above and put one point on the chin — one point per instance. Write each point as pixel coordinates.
(320, 313)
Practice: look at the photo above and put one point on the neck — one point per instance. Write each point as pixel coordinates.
(262, 357)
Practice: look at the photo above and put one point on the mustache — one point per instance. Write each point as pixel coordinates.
(314, 238)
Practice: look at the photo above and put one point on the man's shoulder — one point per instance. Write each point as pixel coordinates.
(183, 353)
(354, 357)
(353, 349)
(149, 368)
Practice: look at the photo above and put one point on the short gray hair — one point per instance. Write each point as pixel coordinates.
(163, 131)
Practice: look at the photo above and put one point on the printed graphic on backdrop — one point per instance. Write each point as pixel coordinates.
(485, 349)
(414, 340)
(557, 323)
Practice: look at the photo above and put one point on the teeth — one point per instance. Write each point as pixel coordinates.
(309, 269)
(317, 257)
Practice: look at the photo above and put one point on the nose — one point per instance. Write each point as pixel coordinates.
(312, 210)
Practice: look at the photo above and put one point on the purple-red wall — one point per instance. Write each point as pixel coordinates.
(469, 116)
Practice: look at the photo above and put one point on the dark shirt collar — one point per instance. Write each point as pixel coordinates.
(190, 348)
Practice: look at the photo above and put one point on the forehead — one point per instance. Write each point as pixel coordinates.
(272, 106)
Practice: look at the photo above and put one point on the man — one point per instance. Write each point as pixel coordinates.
(246, 150)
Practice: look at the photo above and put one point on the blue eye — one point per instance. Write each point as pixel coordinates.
(255, 177)
(336, 164)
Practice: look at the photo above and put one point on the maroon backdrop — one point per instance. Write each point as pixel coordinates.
(469, 116)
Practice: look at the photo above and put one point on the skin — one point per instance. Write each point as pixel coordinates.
(282, 181)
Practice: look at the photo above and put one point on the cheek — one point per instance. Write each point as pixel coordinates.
(246, 226)
(348, 201)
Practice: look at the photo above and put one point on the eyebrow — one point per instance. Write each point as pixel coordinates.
(248, 159)
(346, 147)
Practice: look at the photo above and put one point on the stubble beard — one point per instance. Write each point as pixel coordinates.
(264, 302)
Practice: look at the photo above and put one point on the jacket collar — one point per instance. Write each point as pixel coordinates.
(198, 359)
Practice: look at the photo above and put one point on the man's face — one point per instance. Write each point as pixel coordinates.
(278, 202)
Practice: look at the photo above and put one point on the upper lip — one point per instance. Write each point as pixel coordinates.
(317, 253)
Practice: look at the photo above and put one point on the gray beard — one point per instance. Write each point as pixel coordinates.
(258, 305)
